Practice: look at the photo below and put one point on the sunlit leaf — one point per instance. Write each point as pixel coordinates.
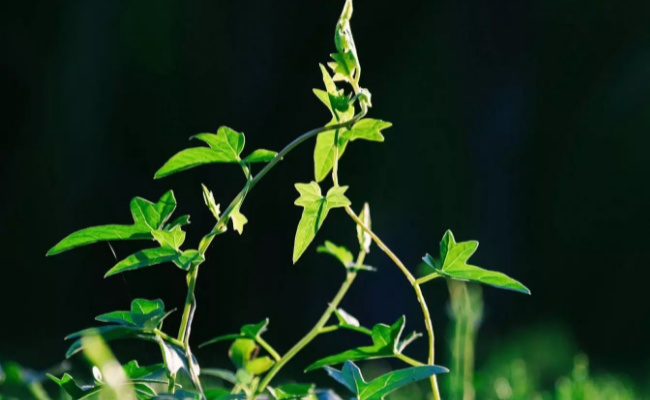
(260, 155)
(238, 219)
(225, 147)
(208, 198)
(316, 207)
(386, 340)
(339, 252)
(350, 377)
(147, 216)
(172, 239)
(144, 258)
(452, 264)
(365, 240)
(367, 129)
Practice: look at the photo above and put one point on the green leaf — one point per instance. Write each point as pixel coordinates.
(227, 141)
(452, 264)
(172, 239)
(238, 219)
(186, 259)
(345, 319)
(367, 129)
(117, 317)
(260, 155)
(259, 365)
(316, 207)
(339, 252)
(350, 377)
(108, 333)
(343, 66)
(250, 331)
(68, 385)
(365, 240)
(147, 216)
(147, 314)
(190, 158)
(254, 331)
(225, 147)
(293, 391)
(222, 374)
(343, 39)
(324, 153)
(385, 340)
(242, 354)
(180, 221)
(208, 198)
(144, 258)
(325, 149)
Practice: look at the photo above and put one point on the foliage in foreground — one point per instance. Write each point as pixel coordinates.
(256, 362)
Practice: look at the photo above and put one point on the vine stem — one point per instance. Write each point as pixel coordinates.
(315, 331)
(192, 276)
(418, 293)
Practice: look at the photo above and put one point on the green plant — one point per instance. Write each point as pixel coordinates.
(255, 373)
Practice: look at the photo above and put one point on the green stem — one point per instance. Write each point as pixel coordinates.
(408, 360)
(269, 349)
(315, 331)
(427, 278)
(37, 390)
(418, 293)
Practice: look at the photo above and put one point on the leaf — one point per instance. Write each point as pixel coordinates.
(227, 141)
(260, 155)
(350, 377)
(345, 319)
(365, 240)
(222, 374)
(343, 39)
(146, 215)
(172, 239)
(147, 314)
(225, 147)
(339, 252)
(316, 207)
(208, 198)
(144, 258)
(452, 264)
(385, 344)
(250, 331)
(68, 385)
(254, 331)
(238, 219)
(108, 333)
(367, 129)
(180, 221)
(324, 153)
(117, 317)
(242, 354)
(186, 259)
(293, 391)
(343, 66)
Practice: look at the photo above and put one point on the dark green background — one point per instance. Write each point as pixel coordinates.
(523, 125)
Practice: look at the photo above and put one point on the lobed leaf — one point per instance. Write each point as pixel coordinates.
(316, 207)
(452, 264)
(339, 252)
(350, 377)
(386, 343)
(147, 216)
(224, 147)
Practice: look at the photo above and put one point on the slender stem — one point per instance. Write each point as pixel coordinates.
(168, 338)
(189, 304)
(427, 278)
(418, 293)
(269, 349)
(315, 331)
(408, 360)
(37, 390)
(360, 329)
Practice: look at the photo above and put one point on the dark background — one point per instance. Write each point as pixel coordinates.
(523, 125)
